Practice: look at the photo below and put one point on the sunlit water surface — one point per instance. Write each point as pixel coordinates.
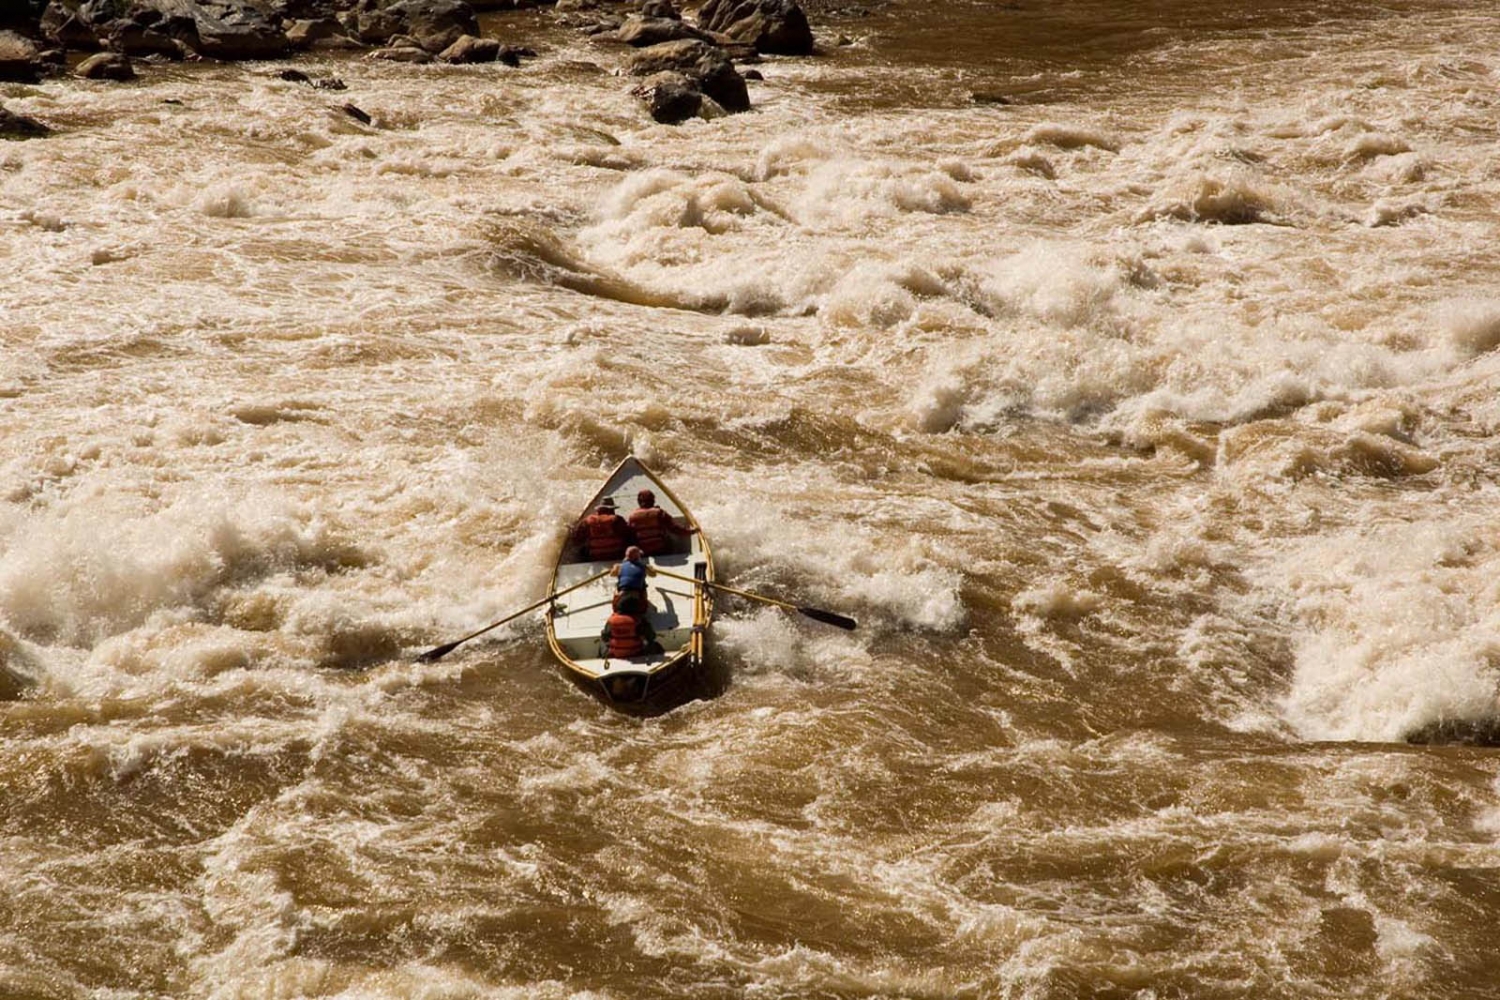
(1127, 369)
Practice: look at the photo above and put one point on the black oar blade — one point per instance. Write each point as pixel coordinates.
(437, 653)
(829, 618)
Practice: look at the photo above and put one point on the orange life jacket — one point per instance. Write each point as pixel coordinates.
(650, 525)
(624, 637)
(608, 535)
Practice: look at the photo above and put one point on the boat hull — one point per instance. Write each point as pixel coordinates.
(679, 612)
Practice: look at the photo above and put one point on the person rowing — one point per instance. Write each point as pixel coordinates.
(630, 579)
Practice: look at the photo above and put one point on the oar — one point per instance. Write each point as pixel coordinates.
(438, 652)
(816, 614)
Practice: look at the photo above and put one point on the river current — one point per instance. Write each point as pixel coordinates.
(1127, 369)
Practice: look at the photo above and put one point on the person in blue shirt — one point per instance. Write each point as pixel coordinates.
(630, 578)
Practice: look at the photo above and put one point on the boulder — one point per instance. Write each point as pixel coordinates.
(218, 29)
(705, 66)
(61, 25)
(670, 97)
(106, 66)
(20, 14)
(437, 24)
(643, 31)
(319, 33)
(403, 53)
(14, 126)
(20, 59)
(774, 27)
(469, 49)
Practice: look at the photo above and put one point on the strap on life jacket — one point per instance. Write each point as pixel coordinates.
(624, 637)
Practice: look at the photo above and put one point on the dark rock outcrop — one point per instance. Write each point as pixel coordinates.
(469, 49)
(774, 27)
(106, 66)
(705, 66)
(435, 24)
(20, 59)
(218, 29)
(61, 24)
(670, 97)
(319, 33)
(642, 31)
(14, 126)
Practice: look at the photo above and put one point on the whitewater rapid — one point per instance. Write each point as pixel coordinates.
(1146, 421)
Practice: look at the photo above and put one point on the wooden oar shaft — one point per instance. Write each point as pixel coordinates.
(446, 648)
(730, 590)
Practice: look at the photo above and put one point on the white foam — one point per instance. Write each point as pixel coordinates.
(1397, 629)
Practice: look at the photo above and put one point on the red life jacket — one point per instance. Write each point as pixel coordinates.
(624, 637)
(608, 535)
(650, 525)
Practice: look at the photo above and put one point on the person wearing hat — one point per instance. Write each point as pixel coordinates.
(654, 527)
(604, 534)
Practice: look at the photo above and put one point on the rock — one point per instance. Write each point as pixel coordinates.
(106, 66)
(643, 31)
(660, 8)
(705, 66)
(437, 24)
(20, 59)
(14, 126)
(321, 33)
(512, 55)
(363, 117)
(670, 97)
(62, 25)
(774, 27)
(753, 74)
(19, 14)
(469, 49)
(218, 29)
(402, 54)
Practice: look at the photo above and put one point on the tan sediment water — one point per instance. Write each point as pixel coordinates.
(1142, 410)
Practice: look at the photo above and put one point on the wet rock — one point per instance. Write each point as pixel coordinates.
(61, 24)
(403, 54)
(20, 59)
(670, 97)
(358, 114)
(217, 29)
(436, 24)
(469, 49)
(706, 67)
(14, 126)
(774, 27)
(106, 66)
(319, 33)
(19, 14)
(512, 55)
(640, 31)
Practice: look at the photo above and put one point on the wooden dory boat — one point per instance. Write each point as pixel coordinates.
(680, 611)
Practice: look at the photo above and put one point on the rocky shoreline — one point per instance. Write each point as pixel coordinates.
(682, 64)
